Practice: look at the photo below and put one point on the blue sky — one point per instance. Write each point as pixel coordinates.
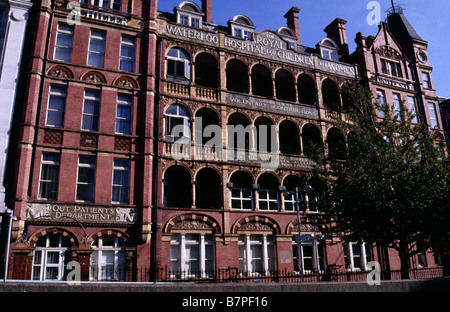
(426, 16)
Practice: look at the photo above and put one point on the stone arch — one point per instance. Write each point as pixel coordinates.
(60, 71)
(305, 227)
(192, 221)
(52, 230)
(94, 77)
(126, 82)
(257, 224)
(109, 232)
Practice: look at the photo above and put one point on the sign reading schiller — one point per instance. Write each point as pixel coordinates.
(100, 16)
(84, 213)
(272, 106)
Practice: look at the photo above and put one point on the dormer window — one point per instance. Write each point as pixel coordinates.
(329, 49)
(289, 36)
(189, 14)
(241, 27)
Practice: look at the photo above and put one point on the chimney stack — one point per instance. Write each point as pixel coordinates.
(207, 9)
(153, 9)
(337, 32)
(292, 22)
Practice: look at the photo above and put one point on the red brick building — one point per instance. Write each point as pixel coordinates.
(155, 140)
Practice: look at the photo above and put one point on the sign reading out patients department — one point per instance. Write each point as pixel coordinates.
(81, 213)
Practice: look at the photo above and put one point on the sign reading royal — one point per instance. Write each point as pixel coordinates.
(269, 44)
(81, 213)
(272, 106)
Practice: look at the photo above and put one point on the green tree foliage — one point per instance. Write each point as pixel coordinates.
(391, 187)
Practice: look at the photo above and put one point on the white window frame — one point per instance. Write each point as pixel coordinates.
(264, 199)
(44, 263)
(426, 78)
(56, 91)
(350, 261)
(397, 100)
(130, 43)
(47, 165)
(179, 261)
(93, 96)
(434, 122)
(241, 32)
(381, 95)
(246, 253)
(318, 258)
(82, 183)
(124, 187)
(126, 101)
(170, 123)
(241, 199)
(179, 61)
(191, 20)
(329, 54)
(99, 267)
(391, 68)
(96, 35)
(64, 30)
(412, 109)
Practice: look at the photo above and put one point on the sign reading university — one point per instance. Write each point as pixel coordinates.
(81, 213)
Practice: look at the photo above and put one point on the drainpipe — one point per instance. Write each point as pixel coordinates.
(157, 178)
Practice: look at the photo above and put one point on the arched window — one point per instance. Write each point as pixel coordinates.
(108, 259)
(285, 86)
(208, 189)
(330, 95)
(265, 135)
(239, 134)
(51, 256)
(306, 90)
(237, 76)
(336, 144)
(241, 194)
(312, 143)
(261, 81)
(178, 125)
(206, 71)
(268, 192)
(289, 138)
(178, 65)
(203, 118)
(177, 188)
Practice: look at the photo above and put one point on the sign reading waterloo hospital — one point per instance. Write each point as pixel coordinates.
(81, 213)
(266, 44)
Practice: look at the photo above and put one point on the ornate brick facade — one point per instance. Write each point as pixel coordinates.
(101, 138)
